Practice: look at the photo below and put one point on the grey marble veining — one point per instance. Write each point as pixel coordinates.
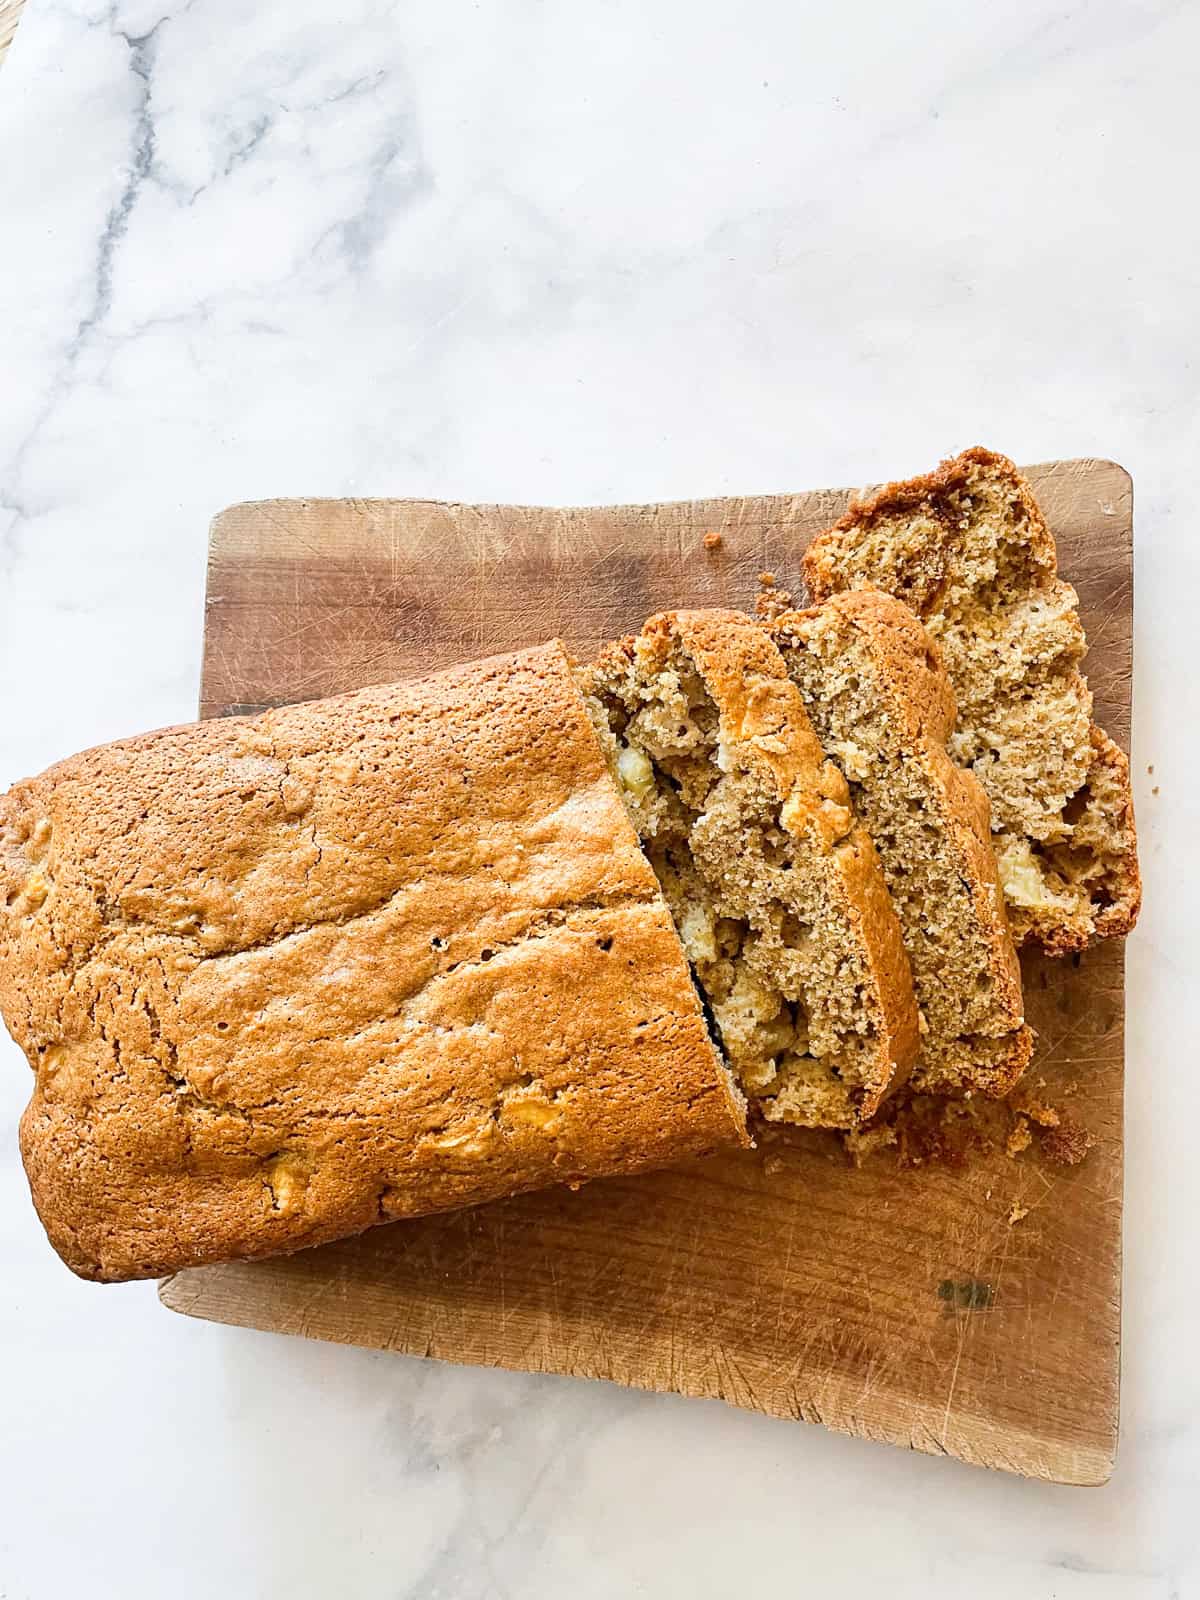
(565, 253)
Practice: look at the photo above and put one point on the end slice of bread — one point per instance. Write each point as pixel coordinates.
(967, 548)
(880, 702)
(776, 889)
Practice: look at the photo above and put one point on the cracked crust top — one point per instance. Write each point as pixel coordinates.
(760, 853)
(281, 978)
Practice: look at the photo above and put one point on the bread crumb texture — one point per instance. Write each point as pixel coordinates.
(923, 1130)
(285, 977)
(967, 548)
(776, 890)
(880, 702)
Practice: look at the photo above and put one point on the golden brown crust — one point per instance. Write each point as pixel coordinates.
(761, 712)
(285, 977)
(924, 580)
(916, 701)
(1084, 899)
(1110, 760)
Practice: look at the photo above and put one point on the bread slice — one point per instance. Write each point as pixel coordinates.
(968, 549)
(882, 707)
(776, 890)
(281, 978)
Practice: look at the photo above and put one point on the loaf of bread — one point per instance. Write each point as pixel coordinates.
(882, 707)
(968, 549)
(776, 889)
(281, 978)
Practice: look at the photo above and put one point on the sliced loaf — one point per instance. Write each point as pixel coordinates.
(776, 890)
(968, 549)
(883, 709)
(281, 978)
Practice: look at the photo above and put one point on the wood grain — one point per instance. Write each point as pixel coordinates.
(902, 1306)
(10, 13)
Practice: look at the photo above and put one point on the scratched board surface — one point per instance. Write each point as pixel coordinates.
(901, 1305)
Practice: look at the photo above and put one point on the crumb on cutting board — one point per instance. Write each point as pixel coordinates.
(1025, 1105)
(771, 601)
(1020, 1138)
(926, 1130)
(1067, 1144)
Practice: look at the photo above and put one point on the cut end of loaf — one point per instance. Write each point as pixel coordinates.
(968, 549)
(784, 978)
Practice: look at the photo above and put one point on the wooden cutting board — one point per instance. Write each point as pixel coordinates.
(900, 1305)
(10, 11)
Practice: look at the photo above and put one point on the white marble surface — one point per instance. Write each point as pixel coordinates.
(625, 249)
